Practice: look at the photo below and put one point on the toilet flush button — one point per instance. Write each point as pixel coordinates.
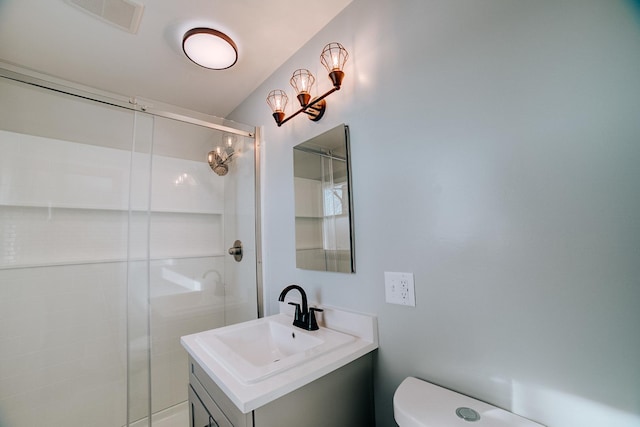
(467, 414)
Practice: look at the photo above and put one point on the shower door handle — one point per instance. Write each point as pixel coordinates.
(236, 250)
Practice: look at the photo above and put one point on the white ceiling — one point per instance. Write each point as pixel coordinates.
(55, 38)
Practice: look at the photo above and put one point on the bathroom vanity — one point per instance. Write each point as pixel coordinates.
(266, 372)
(342, 397)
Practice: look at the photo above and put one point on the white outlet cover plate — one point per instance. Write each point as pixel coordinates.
(399, 288)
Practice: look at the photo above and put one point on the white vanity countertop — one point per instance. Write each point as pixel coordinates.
(248, 397)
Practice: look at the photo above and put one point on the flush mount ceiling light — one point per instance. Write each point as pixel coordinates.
(333, 57)
(210, 48)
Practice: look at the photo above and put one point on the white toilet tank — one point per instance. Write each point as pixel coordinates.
(417, 403)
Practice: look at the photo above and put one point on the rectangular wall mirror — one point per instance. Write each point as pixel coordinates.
(324, 222)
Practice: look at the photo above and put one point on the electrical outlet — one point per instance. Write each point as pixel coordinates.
(399, 288)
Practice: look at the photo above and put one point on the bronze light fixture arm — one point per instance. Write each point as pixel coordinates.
(308, 106)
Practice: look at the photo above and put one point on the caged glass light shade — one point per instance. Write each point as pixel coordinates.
(277, 100)
(210, 48)
(333, 57)
(302, 81)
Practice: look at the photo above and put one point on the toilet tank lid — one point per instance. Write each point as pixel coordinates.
(417, 403)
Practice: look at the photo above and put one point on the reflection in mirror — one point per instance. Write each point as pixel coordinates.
(324, 230)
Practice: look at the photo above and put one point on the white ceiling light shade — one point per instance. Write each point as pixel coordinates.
(210, 48)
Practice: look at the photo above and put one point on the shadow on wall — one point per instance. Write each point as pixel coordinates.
(635, 5)
(528, 400)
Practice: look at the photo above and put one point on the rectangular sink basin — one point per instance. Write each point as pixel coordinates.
(258, 349)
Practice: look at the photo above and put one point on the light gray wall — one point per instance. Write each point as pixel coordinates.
(495, 153)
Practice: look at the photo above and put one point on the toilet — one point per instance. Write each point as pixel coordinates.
(417, 403)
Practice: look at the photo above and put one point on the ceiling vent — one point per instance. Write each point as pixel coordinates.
(124, 14)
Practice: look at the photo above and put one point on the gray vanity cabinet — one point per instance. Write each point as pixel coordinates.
(343, 397)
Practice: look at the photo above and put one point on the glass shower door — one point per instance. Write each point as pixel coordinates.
(64, 187)
(115, 236)
(195, 216)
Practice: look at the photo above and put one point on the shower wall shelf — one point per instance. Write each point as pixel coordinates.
(37, 237)
(17, 204)
(68, 210)
(107, 261)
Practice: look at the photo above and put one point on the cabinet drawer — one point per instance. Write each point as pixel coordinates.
(216, 417)
(198, 414)
(229, 410)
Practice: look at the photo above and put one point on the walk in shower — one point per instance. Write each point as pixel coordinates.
(115, 235)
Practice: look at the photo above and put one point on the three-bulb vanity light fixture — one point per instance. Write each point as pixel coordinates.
(222, 155)
(333, 57)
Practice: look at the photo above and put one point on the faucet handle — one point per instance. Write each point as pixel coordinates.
(298, 315)
(313, 324)
(299, 318)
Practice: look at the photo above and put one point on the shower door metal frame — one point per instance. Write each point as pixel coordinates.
(11, 72)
